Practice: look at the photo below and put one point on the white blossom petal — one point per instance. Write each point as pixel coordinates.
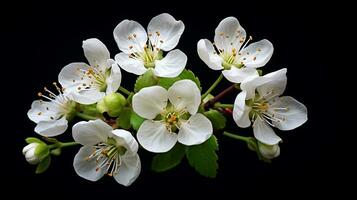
(70, 77)
(129, 64)
(171, 65)
(96, 53)
(114, 79)
(42, 111)
(150, 101)
(241, 111)
(257, 54)
(276, 83)
(291, 112)
(88, 97)
(125, 138)
(129, 170)
(91, 132)
(208, 54)
(130, 36)
(154, 137)
(52, 128)
(238, 75)
(251, 83)
(184, 94)
(264, 133)
(229, 35)
(196, 130)
(165, 31)
(86, 168)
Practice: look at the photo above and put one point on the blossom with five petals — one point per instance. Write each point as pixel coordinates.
(230, 54)
(143, 50)
(171, 116)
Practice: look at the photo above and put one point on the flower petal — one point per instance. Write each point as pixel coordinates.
(70, 77)
(91, 132)
(184, 94)
(114, 79)
(165, 31)
(129, 64)
(52, 128)
(229, 35)
(276, 83)
(150, 101)
(125, 138)
(171, 65)
(236, 75)
(291, 112)
(96, 53)
(257, 54)
(241, 111)
(196, 130)
(87, 97)
(154, 137)
(264, 133)
(86, 168)
(129, 170)
(42, 111)
(130, 36)
(208, 54)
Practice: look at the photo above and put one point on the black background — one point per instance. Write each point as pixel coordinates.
(39, 39)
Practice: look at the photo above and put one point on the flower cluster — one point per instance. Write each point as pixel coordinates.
(165, 113)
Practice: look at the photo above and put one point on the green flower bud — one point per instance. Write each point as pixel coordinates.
(112, 104)
(269, 151)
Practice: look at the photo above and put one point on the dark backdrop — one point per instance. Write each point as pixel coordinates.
(39, 39)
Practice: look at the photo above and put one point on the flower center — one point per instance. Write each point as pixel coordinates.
(62, 105)
(262, 107)
(173, 118)
(150, 52)
(92, 77)
(107, 156)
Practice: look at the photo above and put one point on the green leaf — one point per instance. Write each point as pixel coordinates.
(218, 119)
(30, 140)
(185, 74)
(146, 80)
(204, 158)
(165, 161)
(136, 120)
(43, 165)
(124, 117)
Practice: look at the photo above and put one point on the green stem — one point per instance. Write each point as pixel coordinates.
(222, 105)
(68, 144)
(212, 86)
(85, 116)
(125, 91)
(234, 136)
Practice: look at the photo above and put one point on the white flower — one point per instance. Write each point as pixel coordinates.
(51, 116)
(269, 151)
(230, 53)
(29, 153)
(143, 50)
(172, 116)
(90, 83)
(105, 151)
(260, 102)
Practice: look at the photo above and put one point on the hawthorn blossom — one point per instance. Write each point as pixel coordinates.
(51, 116)
(90, 83)
(105, 151)
(231, 54)
(171, 116)
(260, 102)
(143, 50)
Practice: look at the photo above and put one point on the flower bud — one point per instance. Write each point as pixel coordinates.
(35, 152)
(269, 151)
(112, 104)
